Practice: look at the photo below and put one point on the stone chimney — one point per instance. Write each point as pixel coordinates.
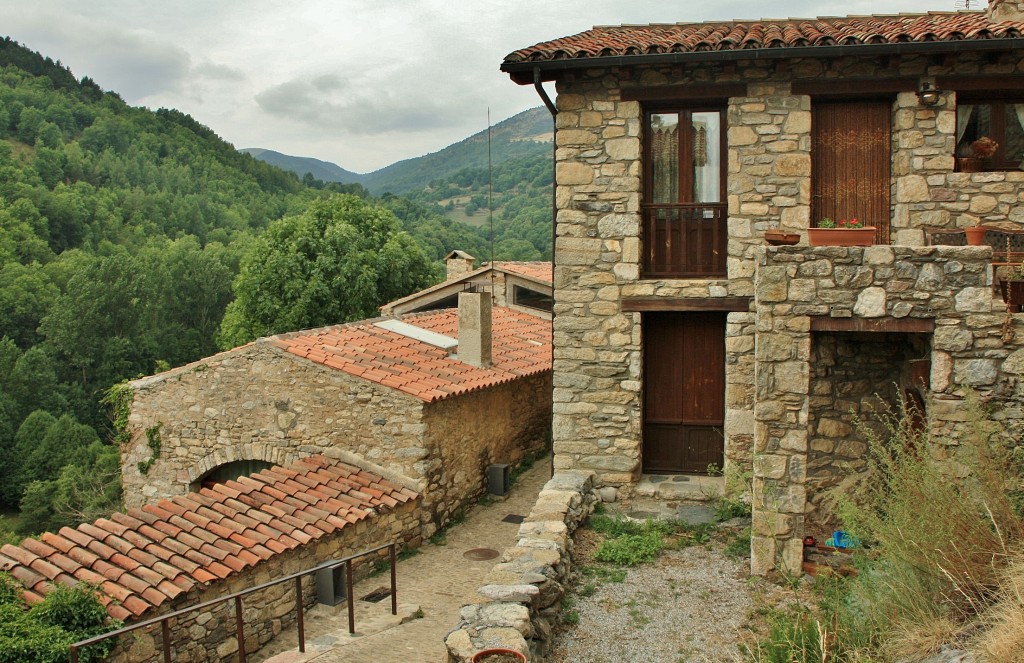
(475, 328)
(458, 263)
(1006, 10)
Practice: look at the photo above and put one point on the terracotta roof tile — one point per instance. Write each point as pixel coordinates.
(418, 368)
(151, 555)
(631, 40)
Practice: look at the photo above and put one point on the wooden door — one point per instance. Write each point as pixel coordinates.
(684, 392)
(851, 156)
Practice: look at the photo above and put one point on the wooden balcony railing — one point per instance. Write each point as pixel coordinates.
(684, 241)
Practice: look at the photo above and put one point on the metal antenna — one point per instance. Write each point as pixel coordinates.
(490, 202)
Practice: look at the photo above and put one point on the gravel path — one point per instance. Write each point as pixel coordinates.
(689, 605)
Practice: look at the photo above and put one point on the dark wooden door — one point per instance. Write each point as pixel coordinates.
(851, 155)
(684, 391)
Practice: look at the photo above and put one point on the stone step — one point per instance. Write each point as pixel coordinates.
(681, 487)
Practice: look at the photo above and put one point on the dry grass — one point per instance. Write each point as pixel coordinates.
(1002, 637)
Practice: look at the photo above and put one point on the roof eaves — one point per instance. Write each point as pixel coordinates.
(550, 68)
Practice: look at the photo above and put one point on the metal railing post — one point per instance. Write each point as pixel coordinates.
(165, 631)
(299, 615)
(351, 598)
(239, 629)
(394, 585)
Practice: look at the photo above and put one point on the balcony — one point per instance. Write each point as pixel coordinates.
(684, 241)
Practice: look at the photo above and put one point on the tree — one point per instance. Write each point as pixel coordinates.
(339, 261)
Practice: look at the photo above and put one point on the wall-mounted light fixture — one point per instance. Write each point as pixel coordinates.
(928, 95)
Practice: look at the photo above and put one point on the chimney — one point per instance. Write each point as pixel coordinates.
(458, 263)
(1005, 10)
(475, 328)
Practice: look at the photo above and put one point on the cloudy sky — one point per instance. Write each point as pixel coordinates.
(362, 83)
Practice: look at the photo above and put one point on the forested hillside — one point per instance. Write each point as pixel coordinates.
(122, 232)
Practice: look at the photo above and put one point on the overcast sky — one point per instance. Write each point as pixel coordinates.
(361, 83)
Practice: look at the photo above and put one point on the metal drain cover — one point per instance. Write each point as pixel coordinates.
(513, 518)
(480, 554)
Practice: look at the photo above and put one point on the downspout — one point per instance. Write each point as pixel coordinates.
(554, 220)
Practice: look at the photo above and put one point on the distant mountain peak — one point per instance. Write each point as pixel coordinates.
(523, 134)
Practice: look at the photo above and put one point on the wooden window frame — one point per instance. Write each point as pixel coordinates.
(999, 103)
(706, 258)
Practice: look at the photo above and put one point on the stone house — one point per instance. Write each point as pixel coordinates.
(428, 402)
(681, 340)
(524, 286)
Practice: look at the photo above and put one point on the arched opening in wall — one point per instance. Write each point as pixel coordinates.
(855, 378)
(229, 472)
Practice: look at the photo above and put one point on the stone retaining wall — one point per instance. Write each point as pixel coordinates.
(524, 592)
(208, 635)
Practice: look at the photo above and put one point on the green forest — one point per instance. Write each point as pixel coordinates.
(126, 235)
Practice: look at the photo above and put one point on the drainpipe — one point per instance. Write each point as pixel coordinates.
(554, 220)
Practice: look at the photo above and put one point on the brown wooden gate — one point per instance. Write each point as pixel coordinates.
(851, 155)
(684, 391)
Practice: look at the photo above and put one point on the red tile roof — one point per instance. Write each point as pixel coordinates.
(538, 271)
(521, 347)
(629, 40)
(144, 558)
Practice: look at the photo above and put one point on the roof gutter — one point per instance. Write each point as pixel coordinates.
(537, 80)
(546, 70)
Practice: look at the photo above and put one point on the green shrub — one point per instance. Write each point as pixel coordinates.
(45, 632)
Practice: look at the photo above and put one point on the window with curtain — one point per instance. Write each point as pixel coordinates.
(1002, 121)
(686, 157)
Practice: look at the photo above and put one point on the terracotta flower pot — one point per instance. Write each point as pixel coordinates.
(498, 654)
(975, 235)
(970, 164)
(841, 236)
(781, 238)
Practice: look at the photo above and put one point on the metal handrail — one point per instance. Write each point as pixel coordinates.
(237, 597)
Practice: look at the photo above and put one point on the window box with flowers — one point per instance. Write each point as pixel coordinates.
(841, 233)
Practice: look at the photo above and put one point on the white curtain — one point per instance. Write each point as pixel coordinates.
(963, 116)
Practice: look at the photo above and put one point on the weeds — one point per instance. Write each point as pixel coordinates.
(739, 545)
(630, 549)
(936, 551)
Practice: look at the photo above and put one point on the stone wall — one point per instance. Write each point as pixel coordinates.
(258, 402)
(926, 191)
(968, 352)
(523, 594)
(209, 635)
(464, 435)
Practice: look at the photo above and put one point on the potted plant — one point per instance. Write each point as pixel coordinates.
(841, 233)
(979, 150)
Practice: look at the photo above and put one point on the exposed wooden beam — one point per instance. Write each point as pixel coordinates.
(898, 325)
(651, 304)
(986, 83)
(853, 87)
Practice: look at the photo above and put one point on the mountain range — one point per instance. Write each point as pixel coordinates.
(527, 134)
